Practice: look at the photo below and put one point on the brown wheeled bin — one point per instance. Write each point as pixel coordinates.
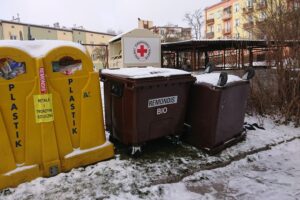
(215, 115)
(143, 104)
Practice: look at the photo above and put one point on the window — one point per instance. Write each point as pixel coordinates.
(263, 2)
(162, 32)
(237, 7)
(227, 26)
(250, 35)
(237, 35)
(12, 26)
(250, 3)
(13, 37)
(211, 29)
(21, 35)
(237, 22)
(262, 16)
(227, 11)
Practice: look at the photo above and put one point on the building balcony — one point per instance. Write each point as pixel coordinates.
(210, 21)
(261, 6)
(248, 25)
(248, 10)
(227, 16)
(210, 35)
(226, 31)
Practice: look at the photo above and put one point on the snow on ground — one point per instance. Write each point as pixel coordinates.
(272, 174)
(265, 165)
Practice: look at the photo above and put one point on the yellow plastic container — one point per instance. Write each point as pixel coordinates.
(77, 108)
(27, 149)
(50, 111)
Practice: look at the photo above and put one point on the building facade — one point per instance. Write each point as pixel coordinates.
(167, 33)
(238, 18)
(94, 41)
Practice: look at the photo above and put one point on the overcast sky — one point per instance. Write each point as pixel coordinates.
(100, 15)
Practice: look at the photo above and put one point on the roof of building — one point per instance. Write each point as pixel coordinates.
(34, 25)
(88, 31)
(135, 33)
(223, 44)
(170, 27)
(54, 28)
(217, 4)
(211, 45)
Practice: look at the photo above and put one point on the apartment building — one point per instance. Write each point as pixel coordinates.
(167, 33)
(14, 30)
(238, 18)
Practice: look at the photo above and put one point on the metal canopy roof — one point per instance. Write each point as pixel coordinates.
(212, 45)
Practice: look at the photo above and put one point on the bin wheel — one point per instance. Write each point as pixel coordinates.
(135, 151)
(175, 139)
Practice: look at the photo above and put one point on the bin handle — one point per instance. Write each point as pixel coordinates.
(117, 89)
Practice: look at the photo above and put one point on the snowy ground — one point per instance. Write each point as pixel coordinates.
(264, 166)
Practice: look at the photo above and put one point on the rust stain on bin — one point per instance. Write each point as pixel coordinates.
(216, 114)
(130, 117)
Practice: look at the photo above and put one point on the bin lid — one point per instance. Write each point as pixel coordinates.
(212, 78)
(39, 48)
(145, 72)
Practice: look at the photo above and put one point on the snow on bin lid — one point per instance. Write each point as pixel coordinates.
(212, 78)
(39, 48)
(147, 72)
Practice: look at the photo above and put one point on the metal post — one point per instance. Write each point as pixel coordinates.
(250, 57)
(206, 58)
(243, 59)
(224, 58)
(177, 59)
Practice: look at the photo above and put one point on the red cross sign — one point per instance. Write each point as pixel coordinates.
(142, 50)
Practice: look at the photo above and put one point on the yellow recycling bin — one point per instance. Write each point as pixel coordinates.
(50, 110)
(27, 149)
(78, 118)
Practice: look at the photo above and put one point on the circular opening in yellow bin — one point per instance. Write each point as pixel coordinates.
(10, 69)
(67, 65)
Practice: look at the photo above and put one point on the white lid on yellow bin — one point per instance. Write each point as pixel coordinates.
(39, 48)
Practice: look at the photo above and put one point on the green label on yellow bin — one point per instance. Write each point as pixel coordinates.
(43, 108)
